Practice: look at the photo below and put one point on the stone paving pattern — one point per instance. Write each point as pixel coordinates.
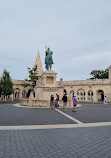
(91, 113)
(87, 113)
(93, 142)
(90, 142)
(13, 116)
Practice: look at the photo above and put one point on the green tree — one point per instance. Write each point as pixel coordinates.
(32, 78)
(99, 74)
(6, 84)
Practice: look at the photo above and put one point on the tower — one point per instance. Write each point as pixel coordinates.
(39, 64)
(109, 69)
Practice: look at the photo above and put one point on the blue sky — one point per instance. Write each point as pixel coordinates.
(77, 31)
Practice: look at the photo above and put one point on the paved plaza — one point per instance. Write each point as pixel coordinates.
(46, 133)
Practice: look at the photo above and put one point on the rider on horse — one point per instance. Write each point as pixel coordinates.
(48, 59)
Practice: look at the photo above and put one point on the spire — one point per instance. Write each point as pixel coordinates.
(39, 64)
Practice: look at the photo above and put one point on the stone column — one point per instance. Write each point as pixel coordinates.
(20, 94)
(109, 69)
(95, 97)
(86, 96)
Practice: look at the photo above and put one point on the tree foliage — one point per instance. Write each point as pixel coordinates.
(99, 74)
(6, 85)
(32, 78)
(25, 84)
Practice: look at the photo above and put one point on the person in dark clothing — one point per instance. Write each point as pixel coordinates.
(57, 99)
(64, 99)
(52, 105)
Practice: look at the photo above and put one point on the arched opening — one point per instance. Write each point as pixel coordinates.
(24, 94)
(81, 95)
(100, 95)
(71, 93)
(17, 94)
(90, 95)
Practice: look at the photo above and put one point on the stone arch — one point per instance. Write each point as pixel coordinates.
(24, 94)
(100, 95)
(17, 94)
(71, 93)
(90, 95)
(81, 94)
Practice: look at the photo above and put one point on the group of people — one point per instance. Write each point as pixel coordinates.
(55, 103)
(64, 99)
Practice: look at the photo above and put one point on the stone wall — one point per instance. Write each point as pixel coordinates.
(85, 90)
(86, 86)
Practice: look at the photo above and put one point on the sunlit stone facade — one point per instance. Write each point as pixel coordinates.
(85, 90)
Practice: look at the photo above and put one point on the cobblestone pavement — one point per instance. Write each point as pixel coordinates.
(93, 142)
(87, 113)
(13, 116)
(81, 142)
(91, 113)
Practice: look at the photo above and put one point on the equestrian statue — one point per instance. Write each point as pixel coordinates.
(48, 59)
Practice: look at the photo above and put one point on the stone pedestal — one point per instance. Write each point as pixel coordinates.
(50, 85)
(45, 87)
(49, 78)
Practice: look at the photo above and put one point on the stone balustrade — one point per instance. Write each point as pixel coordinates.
(87, 82)
(35, 103)
(17, 82)
(42, 103)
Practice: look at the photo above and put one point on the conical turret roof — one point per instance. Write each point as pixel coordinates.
(39, 64)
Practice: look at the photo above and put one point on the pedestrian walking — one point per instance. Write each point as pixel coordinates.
(64, 99)
(74, 103)
(57, 99)
(105, 101)
(52, 104)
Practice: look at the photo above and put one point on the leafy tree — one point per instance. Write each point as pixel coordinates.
(6, 84)
(25, 84)
(32, 78)
(99, 74)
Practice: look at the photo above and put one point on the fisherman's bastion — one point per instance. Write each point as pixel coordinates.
(91, 90)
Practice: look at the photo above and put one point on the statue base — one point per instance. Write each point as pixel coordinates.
(46, 86)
